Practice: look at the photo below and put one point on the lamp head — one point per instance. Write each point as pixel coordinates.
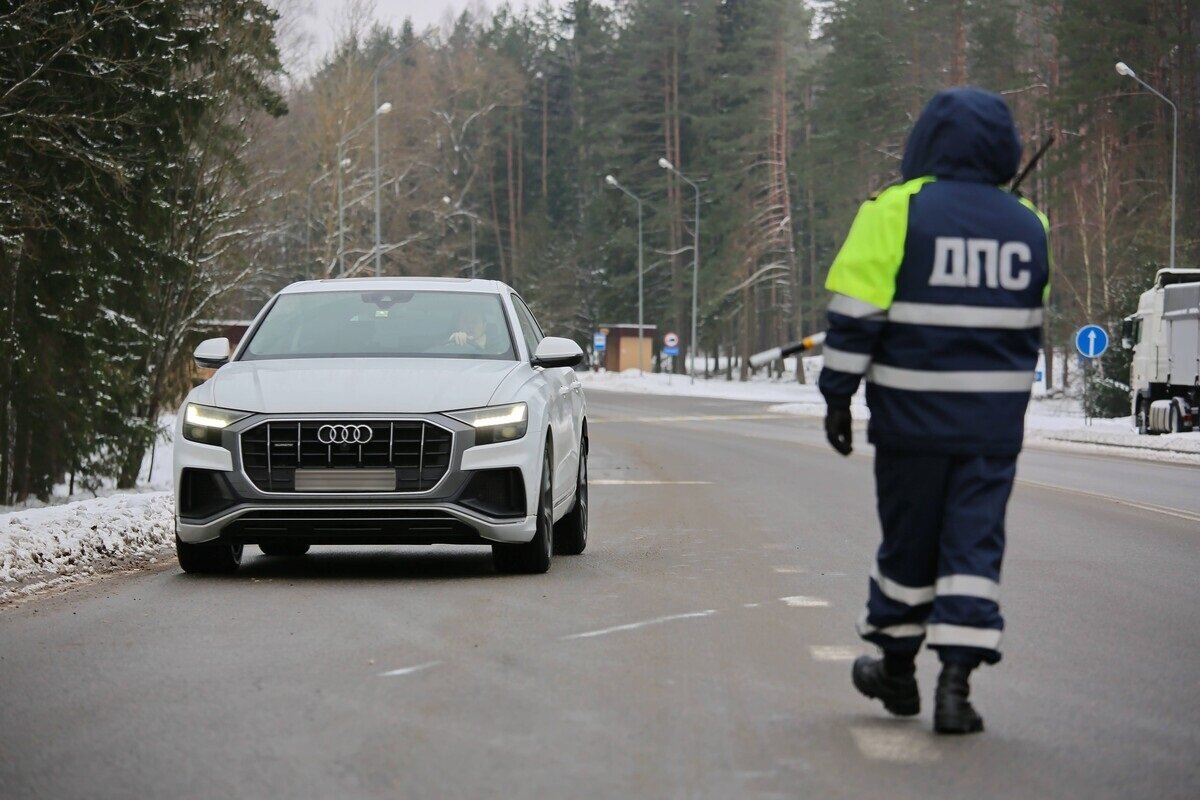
(610, 180)
(446, 199)
(384, 108)
(662, 162)
(1123, 69)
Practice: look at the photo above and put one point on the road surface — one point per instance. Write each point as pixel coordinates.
(699, 649)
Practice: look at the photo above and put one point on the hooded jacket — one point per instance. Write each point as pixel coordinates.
(938, 289)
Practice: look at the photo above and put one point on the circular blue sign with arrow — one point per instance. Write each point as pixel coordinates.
(1091, 341)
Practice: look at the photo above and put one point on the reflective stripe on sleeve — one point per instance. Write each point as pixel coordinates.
(909, 595)
(849, 306)
(921, 380)
(969, 586)
(962, 636)
(894, 631)
(964, 316)
(854, 363)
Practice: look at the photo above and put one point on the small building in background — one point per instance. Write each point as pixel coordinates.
(621, 347)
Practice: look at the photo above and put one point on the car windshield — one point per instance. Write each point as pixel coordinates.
(388, 323)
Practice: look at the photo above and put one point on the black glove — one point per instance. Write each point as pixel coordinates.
(837, 424)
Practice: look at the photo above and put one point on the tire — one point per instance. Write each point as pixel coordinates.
(208, 559)
(284, 549)
(532, 557)
(1174, 420)
(570, 535)
(1142, 418)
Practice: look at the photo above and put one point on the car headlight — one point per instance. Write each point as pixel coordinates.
(496, 423)
(204, 424)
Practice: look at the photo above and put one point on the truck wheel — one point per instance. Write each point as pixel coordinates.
(1140, 418)
(1174, 420)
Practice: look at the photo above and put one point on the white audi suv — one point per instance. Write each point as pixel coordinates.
(385, 411)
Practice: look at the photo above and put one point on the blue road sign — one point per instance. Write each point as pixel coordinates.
(670, 351)
(1091, 341)
(599, 341)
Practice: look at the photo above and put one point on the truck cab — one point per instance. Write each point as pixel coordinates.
(1164, 334)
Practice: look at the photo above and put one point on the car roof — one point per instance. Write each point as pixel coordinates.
(406, 284)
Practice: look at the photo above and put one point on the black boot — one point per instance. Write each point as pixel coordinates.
(952, 712)
(897, 690)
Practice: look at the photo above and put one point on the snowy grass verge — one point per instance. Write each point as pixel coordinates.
(43, 547)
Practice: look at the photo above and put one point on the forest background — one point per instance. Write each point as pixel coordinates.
(160, 169)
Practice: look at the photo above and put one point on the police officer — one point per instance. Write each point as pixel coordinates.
(937, 303)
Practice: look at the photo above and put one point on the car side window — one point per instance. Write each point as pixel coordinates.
(529, 327)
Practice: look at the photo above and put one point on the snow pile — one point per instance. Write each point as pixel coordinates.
(79, 538)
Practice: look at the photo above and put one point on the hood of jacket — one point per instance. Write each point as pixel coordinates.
(964, 134)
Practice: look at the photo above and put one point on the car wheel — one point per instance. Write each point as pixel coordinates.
(208, 559)
(533, 556)
(284, 549)
(570, 535)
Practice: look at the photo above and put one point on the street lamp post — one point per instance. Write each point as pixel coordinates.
(341, 164)
(1123, 69)
(308, 208)
(375, 96)
(611, 181)
(667, 165)
(461, 212)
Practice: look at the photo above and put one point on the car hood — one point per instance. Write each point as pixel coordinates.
(358, 385)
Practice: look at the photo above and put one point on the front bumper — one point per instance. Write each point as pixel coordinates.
(445, 514)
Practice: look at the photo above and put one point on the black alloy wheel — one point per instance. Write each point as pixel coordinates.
(570, 535)
(533, 556)
(208, 559)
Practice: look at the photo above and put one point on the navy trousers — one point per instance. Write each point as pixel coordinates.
(937, 573)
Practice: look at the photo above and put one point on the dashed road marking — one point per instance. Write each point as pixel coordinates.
(800, 601)
(595, 482)
(635, 625)
(898, 745)
(751, 605)
(693, 418)
(395, 673)
(834, 652)
(790, 570)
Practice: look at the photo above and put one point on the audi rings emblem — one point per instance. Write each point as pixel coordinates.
(344, 434)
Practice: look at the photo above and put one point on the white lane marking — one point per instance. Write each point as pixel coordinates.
(800, 601)
(408, 670)
(790, 570)
(751, 605)
(834, 652)
(635, 625)
(601, 482)
(694, 418)
(908, 745)
(1171, 512)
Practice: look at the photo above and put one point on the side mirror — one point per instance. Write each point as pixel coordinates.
(554, 351)
(212, 353)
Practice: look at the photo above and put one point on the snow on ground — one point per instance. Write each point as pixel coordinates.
(80, 535)
(1057, 422)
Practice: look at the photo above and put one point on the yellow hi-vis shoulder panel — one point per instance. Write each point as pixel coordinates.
(1045, 224)
(866, 266)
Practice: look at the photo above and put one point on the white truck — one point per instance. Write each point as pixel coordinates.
(1165, 337)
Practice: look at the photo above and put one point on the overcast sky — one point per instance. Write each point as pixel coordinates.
(322, 17)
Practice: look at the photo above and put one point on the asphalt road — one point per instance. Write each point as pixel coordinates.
(699, 649)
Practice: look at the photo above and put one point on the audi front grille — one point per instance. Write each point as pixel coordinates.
(335, 456)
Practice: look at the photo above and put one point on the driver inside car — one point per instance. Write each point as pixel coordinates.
(470, 330)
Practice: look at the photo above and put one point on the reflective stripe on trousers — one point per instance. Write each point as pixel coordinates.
(937, 572)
